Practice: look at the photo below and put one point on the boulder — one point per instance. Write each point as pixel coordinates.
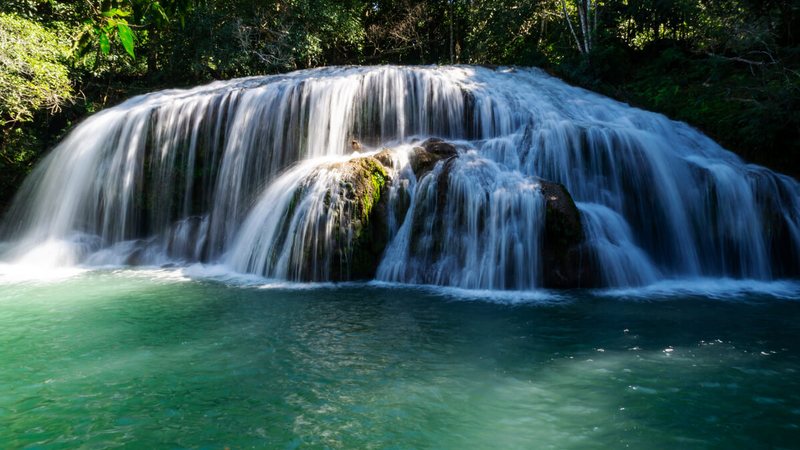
(567, 260)
(385, 157)
(360, 202)
(360, 219)
(431, 151)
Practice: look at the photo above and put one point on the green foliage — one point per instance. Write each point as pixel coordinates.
(217, 39)
(34, 73)
(752, 112)
(505, 32)
(103, 27)
(125, 37)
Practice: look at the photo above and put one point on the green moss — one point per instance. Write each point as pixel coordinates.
(367, 223)
(377, 181)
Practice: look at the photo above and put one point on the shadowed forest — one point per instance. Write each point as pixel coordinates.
(730, 68)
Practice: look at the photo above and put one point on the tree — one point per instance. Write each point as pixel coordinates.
(586, 23)
(33, 69)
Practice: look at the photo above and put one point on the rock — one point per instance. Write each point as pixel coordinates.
(433, 150)
(385, 158)
(566, 259)
(776, 218)
(439, 147)
(361, 203)
(362, 235)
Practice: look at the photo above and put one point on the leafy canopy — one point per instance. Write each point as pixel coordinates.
(33, 70)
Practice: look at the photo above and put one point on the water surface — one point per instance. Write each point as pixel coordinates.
(153, 359)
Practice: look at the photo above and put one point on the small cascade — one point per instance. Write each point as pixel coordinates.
(609, 236)
(471, 225)
(311, 223)
(274, 175)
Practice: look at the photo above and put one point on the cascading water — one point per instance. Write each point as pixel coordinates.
(480, 231)
(257, 174)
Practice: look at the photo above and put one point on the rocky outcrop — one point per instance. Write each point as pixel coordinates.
(361, 209)
(368, 183)
(425, 157)
(566, 259)
(777, 216)
(385, 157)
(359, 219)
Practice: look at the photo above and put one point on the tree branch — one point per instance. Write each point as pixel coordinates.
(569, 23)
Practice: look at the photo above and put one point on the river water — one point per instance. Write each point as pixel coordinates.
(195, 358)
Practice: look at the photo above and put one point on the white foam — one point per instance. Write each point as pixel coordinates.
(538, 296)
(221, 273)
(712, 288)
(26, 273)
(716, 288)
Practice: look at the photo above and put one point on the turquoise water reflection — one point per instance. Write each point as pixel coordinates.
(150, 360)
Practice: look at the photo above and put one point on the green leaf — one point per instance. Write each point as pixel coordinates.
(126, 37)
(116, 12)
(157, 6)
(105, 45)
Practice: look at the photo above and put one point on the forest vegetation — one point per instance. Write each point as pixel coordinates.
(729, 67)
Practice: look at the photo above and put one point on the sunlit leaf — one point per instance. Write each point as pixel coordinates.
(126, 37)
(105, 45)
(116, 12)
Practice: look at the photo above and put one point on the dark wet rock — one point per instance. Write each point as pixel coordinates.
(439, 147)
(566, 258)
(425, 157)
(777, 216)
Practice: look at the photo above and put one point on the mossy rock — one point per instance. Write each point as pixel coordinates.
(359, 202)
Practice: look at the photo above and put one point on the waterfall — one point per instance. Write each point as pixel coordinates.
(257, 174)
(480, 231)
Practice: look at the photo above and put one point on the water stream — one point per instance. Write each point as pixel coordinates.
(209, 174)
